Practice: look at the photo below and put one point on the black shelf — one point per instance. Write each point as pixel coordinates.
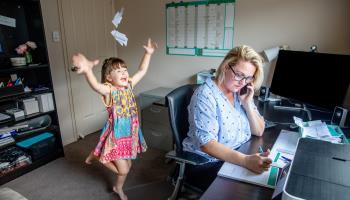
(53, 129)
(25, 118)
(23, 170)
(29, 27)
(7, 69)
(23, 95)
(19, 138)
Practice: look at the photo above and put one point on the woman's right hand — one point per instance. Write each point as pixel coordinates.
(81, 64)
(257, 163)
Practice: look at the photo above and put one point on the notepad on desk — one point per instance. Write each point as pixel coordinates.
(285, 146)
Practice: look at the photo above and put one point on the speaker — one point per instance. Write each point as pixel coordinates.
(341, 117)
(264, 94)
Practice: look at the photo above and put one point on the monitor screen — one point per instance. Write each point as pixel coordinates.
(317, 79)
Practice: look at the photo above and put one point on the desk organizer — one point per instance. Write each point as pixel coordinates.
(38, 146)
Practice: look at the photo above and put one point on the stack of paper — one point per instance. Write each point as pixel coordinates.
(317, 130)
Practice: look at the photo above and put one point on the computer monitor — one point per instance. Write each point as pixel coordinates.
(317, 79)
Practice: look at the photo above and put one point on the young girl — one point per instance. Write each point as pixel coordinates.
(121, 137)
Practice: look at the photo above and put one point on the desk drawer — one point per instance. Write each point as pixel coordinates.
(158, 136)
(155, 114)
(146, 101)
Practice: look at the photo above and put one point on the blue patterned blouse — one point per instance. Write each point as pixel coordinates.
(213, 117)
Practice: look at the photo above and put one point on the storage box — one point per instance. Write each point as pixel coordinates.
(30, 106)
(39, 145)
(16, 113)
(45, 102)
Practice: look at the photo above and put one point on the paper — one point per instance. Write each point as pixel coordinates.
(266, 179)
(283, 150)
(206, 27)
(4, 117)
(286, 142)
(120, 37)
(8, 21)
(317, 130)
(118, 18)
(171, 31)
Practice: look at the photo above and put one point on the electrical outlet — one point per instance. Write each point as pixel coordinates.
(56, 36)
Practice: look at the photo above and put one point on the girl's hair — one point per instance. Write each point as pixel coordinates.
(109, 65)
(244, 53)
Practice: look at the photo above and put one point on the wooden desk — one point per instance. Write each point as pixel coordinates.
(227, 189)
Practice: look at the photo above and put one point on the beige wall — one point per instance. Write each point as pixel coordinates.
(259, 23)
(50, 12)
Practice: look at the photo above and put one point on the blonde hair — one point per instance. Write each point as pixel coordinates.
(109, 65)
(242, 53)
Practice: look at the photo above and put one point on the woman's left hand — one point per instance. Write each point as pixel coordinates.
(150, 47)
(247, 97)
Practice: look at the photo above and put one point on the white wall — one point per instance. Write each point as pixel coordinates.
(50, 12)
(260, 24)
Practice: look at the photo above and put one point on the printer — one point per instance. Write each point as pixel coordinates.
(320, 170)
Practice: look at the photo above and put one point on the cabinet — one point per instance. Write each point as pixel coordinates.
(29, 137)
(155, 119)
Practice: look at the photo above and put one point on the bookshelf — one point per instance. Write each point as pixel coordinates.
(36, 82)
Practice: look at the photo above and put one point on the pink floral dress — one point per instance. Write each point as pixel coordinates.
(121, 137)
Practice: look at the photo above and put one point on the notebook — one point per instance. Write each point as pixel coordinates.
(285, 146)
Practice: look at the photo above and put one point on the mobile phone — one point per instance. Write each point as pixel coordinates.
(243, 90)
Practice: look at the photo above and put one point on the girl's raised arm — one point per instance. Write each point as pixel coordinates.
(84, 66)
(149, 49)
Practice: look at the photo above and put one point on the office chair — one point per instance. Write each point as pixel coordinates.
(177, 102)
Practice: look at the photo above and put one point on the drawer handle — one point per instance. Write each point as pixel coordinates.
(155, 110)
(156, 134)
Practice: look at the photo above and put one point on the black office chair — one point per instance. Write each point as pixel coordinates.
(177, 102)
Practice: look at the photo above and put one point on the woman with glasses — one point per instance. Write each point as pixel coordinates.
(222, 117)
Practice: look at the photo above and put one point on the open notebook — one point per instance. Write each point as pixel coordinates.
(284, 146)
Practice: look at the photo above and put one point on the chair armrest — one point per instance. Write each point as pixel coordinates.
(187, 157)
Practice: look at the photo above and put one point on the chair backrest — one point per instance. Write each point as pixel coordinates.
(177, 102)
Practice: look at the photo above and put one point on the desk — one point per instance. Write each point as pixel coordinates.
(224, 188)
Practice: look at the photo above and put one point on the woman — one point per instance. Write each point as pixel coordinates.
(221, 119)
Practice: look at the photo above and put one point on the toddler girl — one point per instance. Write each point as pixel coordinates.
(121, 137)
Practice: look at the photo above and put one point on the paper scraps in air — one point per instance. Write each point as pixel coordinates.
(120, 37)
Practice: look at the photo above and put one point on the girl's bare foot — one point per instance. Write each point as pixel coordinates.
(89, 159)
(121, 194)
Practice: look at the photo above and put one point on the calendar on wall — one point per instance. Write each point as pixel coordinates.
(200, 28)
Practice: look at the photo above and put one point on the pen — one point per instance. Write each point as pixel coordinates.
(340, 159)
(287, 159)
(261, 149)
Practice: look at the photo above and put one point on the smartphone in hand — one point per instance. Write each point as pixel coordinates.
(243, 90)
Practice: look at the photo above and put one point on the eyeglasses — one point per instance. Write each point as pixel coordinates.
(239, 77)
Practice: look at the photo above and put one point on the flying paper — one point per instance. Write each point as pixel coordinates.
(120, 37)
